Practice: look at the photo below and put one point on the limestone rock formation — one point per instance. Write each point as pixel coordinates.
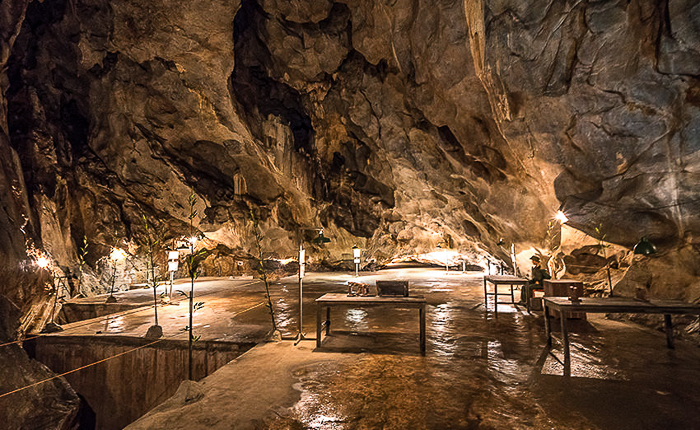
(394, 125)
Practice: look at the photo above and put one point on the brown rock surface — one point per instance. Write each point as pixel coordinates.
(395, 126)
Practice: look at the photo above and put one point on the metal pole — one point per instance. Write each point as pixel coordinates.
(301, 287)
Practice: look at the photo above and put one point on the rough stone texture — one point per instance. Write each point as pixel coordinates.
(49, 405)
(394, 125)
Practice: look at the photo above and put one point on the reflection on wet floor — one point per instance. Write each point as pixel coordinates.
(480, 371)
(487, 371)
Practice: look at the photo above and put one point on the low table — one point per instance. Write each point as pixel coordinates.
(611, 305)
(339, 299)
(497, 280)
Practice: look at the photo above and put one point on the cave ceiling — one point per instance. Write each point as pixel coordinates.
(394, 124)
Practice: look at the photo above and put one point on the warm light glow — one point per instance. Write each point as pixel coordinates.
(192, 240)
(561, 217)
(43, 262)
(356, 252)
(286, 261)
(117, 254)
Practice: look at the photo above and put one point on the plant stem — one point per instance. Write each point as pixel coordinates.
(263, 272)
(189, 345)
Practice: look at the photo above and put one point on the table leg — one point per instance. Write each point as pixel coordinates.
(421, 311)
(512, 297)
(547, 323)
(328, 320)
(565, 340)
(669, 330)
(319, 316)
(495, 297)
(528, 298)
(486, 297)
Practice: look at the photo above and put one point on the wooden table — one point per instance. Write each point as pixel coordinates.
(339, 299)
(497, 280)
(611, 305)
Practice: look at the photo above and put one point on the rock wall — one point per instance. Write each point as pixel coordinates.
(393, 125)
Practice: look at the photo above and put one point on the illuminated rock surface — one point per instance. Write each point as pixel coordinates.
(395, 126)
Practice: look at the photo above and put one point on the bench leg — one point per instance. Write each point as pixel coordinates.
(669, 331)
(328, 320)
(421, 312)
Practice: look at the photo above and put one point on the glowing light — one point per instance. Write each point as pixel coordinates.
(43, 262)
(117, 254)
(192, 240)
(561, 217)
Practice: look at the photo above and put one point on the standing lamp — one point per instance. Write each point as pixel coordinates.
(356, 259)
(646, 248)
(173, 263)
(319, 240)
(116, 255)
(45, 263)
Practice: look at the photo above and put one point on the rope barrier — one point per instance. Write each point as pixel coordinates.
(108, 317)
(113, 356)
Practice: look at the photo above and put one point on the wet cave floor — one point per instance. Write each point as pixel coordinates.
(480, 370)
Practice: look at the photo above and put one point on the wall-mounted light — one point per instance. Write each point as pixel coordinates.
(117, 254)
(43, 262)
(321, 239)
(644, 247)
(561, 217)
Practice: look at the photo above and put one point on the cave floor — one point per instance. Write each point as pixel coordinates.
(480, 370)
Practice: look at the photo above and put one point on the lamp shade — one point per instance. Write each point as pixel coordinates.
(644, 247)
(321, 239)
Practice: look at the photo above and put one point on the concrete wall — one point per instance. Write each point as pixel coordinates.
(73, 312)
(122, 388)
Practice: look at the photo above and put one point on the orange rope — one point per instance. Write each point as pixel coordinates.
(108, 317)
(109, 358)
(79, 368)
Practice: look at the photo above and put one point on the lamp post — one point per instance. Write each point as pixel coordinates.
(45, 263)
(356, 251)
(173, 263)
(302, 272)
(116, 255)
(319, 240)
